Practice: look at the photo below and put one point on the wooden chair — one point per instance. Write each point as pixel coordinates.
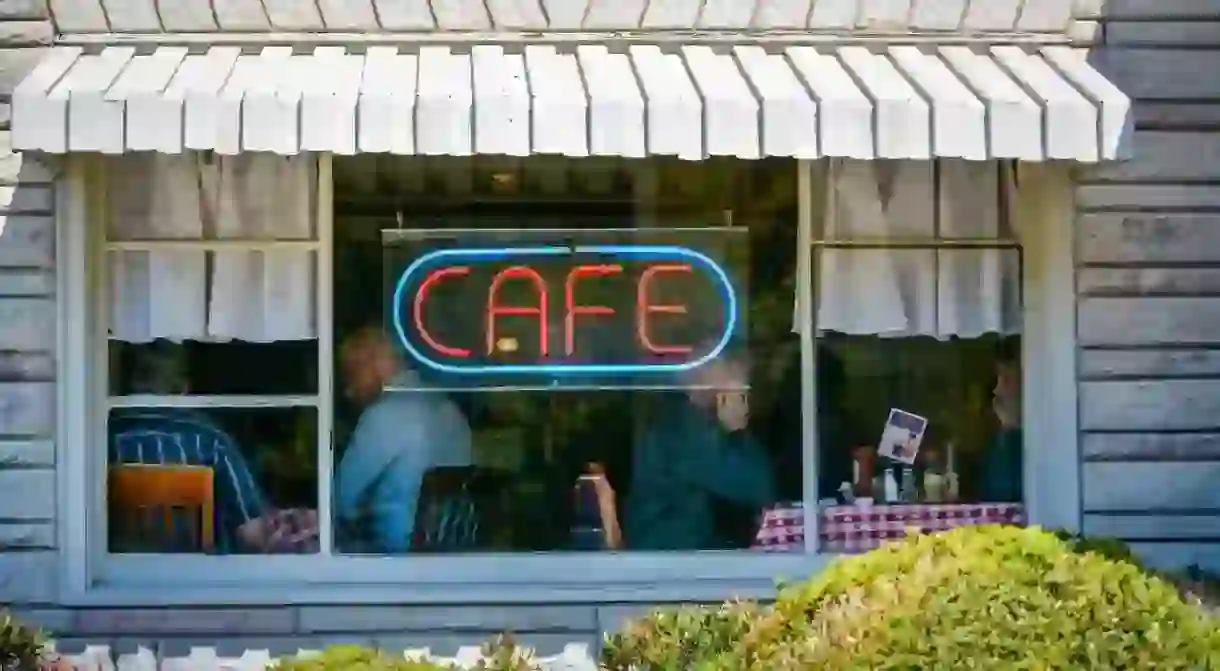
(155, 508)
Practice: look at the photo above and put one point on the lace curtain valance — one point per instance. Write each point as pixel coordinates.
(163, 285)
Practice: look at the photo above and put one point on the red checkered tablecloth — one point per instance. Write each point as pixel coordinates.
(851, 529)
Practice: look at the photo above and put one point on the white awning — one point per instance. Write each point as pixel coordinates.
(691, 101)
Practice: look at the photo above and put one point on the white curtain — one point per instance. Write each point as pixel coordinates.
(912, 291)
(193, 294)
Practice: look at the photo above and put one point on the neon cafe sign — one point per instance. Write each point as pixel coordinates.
(564, 310)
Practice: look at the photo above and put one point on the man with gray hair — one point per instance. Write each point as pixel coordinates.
(184, 436)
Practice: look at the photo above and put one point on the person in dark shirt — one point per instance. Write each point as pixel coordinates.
(698, 461)
(1001, 474)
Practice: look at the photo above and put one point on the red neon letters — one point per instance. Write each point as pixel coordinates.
(573, 308)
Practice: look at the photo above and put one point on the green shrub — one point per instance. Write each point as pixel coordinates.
(21, 647)
(1000, 597)
(1110, 548)
(351, 657)
(501, 654)
(977, 597)
(680, 638)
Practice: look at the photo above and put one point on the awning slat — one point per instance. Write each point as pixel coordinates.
(845, 113)
(1117, 122)
(675, 113)
(154, 121)
(789, 115)
(328, 101)
(691, 101)
(200, 83)
(958, 121)
(1014, 124)
(501, 102)
(40, 122)
(1067, 112)
(95, 123)
(560, 118)
(246, 71)
(271, 110)
(730, 112)
(616, 105)
(386, 113)
(903, 117)
(442, 114)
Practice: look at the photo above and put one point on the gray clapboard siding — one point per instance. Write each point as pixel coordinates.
(27, 453)
(1153, 527)
(29, 576)
(1148, 238)
(29, 494)
(29, 323)
(1151, 486)
(1150, 405)
(1149, 321)
(1151, 446)
(1164, 156)
(1101, 364)
(1149, 282)
(1162, 9)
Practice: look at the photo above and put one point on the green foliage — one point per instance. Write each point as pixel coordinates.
(501, 654)
(1110, 548)
(977, 597)
(355, 658)
(680, 638)
(21, 647)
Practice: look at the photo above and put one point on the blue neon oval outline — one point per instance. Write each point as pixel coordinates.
(639, 251)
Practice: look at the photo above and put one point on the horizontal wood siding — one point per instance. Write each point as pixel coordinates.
(1148, 280)
(28, 563)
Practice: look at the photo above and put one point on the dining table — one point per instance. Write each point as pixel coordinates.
(850, 529)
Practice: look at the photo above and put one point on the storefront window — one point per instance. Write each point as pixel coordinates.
(917, 281)
(523, 355)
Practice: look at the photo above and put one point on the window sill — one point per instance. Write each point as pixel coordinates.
(646, 578)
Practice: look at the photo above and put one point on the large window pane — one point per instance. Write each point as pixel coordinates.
(916, 278)
(612, 391)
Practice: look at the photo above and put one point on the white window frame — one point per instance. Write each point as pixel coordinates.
(89, 576)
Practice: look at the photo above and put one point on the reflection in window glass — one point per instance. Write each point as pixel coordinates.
(493, 403)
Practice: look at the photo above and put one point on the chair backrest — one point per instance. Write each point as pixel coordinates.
(161, 508)
(459, 509)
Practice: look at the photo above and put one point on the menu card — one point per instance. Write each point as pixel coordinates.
(902, 435)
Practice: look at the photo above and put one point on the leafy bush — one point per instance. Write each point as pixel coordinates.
(347, 657)
(1110, 548)
(977, 597)
(501, 654)
(21, 647)
(680, 638)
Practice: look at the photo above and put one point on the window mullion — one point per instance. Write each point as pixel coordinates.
(326, 333)
(805, 319)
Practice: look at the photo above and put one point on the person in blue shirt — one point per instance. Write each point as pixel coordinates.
(699, 462)
(184, 436)
(1001, 473)
(399, 436)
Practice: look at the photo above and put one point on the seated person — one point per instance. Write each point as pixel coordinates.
(184, 436)
(399, 436)
(1001, 474)
(698, 459)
